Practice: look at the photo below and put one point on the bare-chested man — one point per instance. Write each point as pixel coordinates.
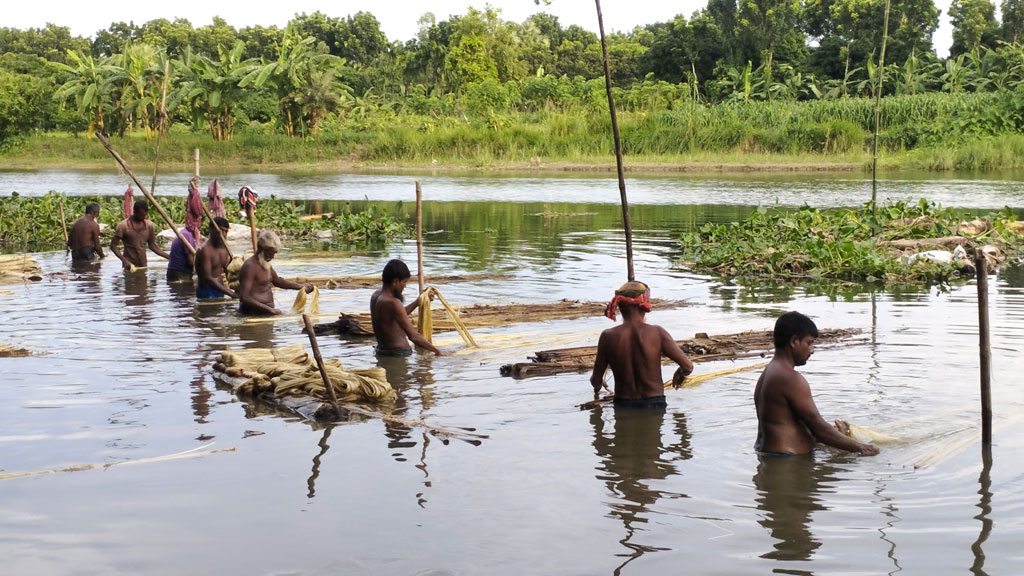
(136, 233)
(257, 276)
(788, 421)
(211, 260)
(391, 324)
(84, 238)
(634, 349)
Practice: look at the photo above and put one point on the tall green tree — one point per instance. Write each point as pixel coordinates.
(1012, 15)
(90, 85)
(974, 25)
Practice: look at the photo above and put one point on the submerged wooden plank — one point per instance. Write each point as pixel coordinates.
(700, 348)
(485, 315)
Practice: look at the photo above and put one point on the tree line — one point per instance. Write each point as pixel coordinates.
(344, 72)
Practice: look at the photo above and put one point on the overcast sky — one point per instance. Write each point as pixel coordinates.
(397, 17)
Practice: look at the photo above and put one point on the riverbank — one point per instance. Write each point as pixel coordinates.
(270, 152)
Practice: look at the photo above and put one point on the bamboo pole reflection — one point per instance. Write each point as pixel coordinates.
(985, 504)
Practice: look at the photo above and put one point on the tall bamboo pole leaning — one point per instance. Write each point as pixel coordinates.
(152, 200)
(984, 348)
(250, 211)
(320, 361)
(618, 147)
(878, 104)
(419, 236)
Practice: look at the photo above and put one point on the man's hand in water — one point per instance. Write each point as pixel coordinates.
(678, 377)
(443, 352)
(276, 312)
(868, 450)
(844, 428)
(308, 287)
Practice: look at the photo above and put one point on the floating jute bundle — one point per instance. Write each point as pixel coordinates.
(18, 268)
(290, 371)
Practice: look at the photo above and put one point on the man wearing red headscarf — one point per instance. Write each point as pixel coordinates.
(633, 351)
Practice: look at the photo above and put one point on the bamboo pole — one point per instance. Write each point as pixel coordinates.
(152, 200)
(320, 361)
(985, 350)
(618, 147)
(162, 113)
(419, 236)
(251, 213)
(63, 225)
(878, 103)
(195, 162)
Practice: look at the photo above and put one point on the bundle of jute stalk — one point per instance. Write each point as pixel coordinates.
(425, 325)
(289, 370)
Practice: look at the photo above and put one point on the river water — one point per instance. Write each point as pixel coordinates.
(122, 374)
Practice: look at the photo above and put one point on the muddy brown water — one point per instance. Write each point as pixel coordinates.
(122, 373)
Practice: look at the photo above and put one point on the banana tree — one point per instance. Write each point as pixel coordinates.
(90, 86)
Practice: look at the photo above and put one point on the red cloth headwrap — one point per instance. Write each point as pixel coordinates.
(643, 301)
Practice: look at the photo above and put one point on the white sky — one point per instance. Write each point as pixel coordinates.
(397, 17)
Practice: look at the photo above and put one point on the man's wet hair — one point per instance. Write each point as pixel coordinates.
(395, 270)
(792, 324)
(222, 223)
(140, 205)
(92, 208)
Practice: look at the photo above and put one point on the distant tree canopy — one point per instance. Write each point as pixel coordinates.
(296, 78)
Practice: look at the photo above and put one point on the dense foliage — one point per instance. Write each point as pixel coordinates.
(344, 77)
(845, 243)
(34, 222)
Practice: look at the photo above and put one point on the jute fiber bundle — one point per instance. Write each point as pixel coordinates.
(17, 268)
(425, 324)
(289, 370)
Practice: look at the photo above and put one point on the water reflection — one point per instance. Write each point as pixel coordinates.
(985, 505)
(315, 472)
(633, 456)
(788, 489)
(409, 375)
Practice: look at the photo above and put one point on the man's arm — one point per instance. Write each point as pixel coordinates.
(675, 353)
(600, 366)
(246, 281)
(94, 237)
(410, 331)
(288, 284)
(113, 247)
(152, 243)
(802, 403)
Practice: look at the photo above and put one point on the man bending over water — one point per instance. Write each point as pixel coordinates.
(257, 276)
(390, 318)
(788, 421)
(634, 349)
(84, 239)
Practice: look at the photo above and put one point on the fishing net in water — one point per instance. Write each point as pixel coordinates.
(425, 324)
(290, 370)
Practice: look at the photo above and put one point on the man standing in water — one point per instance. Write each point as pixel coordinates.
(136, 233)
(634, 349)
(788, 421)
(257, 276)
(390, 318)
(84, 238)
(211, 260)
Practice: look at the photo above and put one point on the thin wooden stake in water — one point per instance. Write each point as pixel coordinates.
(195, 162)
(320, 361)
(152, 200)
(618, 147)
(878, 104)
(985, 350)
(419, 235)
(63, 224)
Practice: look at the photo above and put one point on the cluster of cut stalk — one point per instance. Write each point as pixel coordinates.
(290, 371)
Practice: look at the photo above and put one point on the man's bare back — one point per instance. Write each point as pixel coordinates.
(633, 350)
(84, 239)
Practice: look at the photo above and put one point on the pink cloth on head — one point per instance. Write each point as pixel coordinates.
(128, 204)
(213, 199)
(193, 211)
